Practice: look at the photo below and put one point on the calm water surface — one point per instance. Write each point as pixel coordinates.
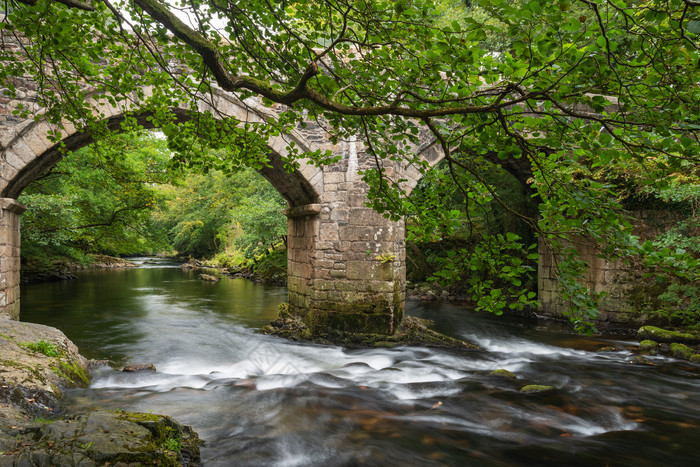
(261, 400)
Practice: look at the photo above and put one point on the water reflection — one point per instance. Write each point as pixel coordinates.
(261, 400)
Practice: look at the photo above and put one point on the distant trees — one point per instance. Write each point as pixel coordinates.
(98, 200)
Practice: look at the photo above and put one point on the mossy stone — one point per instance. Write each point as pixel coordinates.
(695, 358)
(664, 335)
(536, 388)
(505, 374)
(682, 351)
(647, 345)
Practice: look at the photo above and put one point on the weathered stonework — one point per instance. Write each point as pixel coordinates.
(629, 294)
(10, 211)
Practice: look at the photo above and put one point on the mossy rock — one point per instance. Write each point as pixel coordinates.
(664, 335)
(648, 345)
(109, 438)
(412, 331)
(695, 358)
(536, 388)
(638, 360)
(682, 351)
(501, 373)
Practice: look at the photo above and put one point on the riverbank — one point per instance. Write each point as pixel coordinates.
(61, 269)
(37, 364)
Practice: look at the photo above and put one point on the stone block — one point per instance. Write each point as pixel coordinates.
(334, 178)
(355, 233)
(329, 232)
(323, 285)
(340, 215)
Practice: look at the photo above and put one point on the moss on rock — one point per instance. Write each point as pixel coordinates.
(107, 438)
(501, 373)
(536, 388)
(412, 331)
(665, 335)
(681, 351)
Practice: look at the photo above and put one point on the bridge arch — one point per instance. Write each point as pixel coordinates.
(28, 152)
(336, 279)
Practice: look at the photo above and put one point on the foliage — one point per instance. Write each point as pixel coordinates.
(579, 90)
(97, 200)
(474, 243)
(213, 213)
(45, 347)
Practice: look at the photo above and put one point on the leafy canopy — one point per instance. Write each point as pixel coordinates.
(577, 91)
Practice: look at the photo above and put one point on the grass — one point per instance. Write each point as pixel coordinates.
(45, 347)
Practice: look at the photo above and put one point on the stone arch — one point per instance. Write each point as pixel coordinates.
(27, 152)
(431, 152)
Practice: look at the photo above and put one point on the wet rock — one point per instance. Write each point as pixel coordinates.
(133, 367)
(608, 348)
(664, 335)
(430, 296)
(638, 360)
(208, 277)
(412, 331)
(505, 374)
(107, 438)
(536, 388)
(681, 351)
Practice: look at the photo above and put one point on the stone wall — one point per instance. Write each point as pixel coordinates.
(10, 211)
(630, 295)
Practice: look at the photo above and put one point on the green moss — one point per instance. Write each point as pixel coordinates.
(681, 351)
(71, 372)
(648, 345)
(664, 335)
(505, 374)
(695, 358)
(536, 388)
(169, 439)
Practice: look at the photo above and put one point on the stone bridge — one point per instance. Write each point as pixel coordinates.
(333, 238)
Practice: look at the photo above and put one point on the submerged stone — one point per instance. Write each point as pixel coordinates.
(133, 367)
(640, 361)
(500, 373)
(536, 388)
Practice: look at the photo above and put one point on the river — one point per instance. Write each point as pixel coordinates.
(260, 400)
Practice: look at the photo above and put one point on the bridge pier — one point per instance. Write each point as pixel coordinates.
(10, 211)
(346, 263)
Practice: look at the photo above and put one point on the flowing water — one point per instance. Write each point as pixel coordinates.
(260, 400)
